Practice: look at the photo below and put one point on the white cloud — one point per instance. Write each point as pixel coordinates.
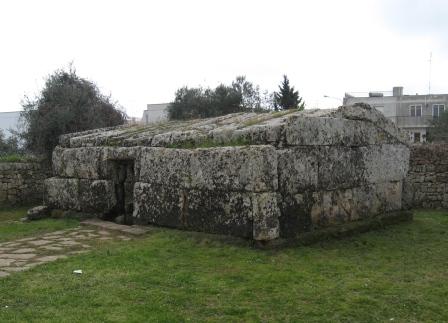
(142, 51)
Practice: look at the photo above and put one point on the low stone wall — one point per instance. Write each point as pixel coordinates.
(426, 184)
(22, 183)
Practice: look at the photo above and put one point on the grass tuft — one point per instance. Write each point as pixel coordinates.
(16, 158)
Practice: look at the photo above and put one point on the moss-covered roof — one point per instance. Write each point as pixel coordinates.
(232, 129)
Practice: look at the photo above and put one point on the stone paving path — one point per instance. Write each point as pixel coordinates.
(22, 254)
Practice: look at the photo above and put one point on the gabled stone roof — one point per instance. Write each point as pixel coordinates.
(356, 125)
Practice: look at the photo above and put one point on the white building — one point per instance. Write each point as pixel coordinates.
(155, 113)
(413, 113)
(9, 120)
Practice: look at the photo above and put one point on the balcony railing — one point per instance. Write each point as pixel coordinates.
(408, 121)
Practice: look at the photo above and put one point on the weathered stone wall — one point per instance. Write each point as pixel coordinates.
(263, 176)
(22, 183)
(426, 185)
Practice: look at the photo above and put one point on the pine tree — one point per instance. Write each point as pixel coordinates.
(287, 97)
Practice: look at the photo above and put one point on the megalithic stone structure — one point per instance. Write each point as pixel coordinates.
(257, 176)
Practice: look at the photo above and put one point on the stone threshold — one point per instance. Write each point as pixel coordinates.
(135, 230)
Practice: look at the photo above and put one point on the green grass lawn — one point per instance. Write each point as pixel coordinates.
(397, 274)
(12, 228)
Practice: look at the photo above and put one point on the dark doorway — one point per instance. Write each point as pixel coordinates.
(417, 137)
(122, 174)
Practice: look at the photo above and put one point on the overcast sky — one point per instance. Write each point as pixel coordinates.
(142, 51)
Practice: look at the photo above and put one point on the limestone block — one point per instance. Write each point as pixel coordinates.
(370, 115)
(330, 208)
(385, 163)
(268, 132)
(251, 168)
(339, 167)
(266, 215)
(306, 131)
(206, 211)
(327, 131)
(391, 195)
(157, 204)
(97, 196)
(120, 153)
(295, 214)
(249, 215)
(110, 155)
(177, 138)
(222, 212)
(165, 166)
(62, 193)
(297, 169)
(223, 134)
(82, 162)
(38, 212)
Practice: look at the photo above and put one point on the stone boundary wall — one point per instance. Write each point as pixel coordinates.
(22, 183)
(426, 184)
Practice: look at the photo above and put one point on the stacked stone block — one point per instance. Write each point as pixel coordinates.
(426, 185)
(22, 183)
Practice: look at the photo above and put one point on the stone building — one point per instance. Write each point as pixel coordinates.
(155, 113)
(8, 121)
(258, 176)
(412, 113)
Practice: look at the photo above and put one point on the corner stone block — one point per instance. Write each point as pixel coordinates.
(385, 163)
(328, 131)
(335, 207)
(318, 131)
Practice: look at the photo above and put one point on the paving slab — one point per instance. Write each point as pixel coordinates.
(39, 242)
(24, 250)
(68, 243)
(52, 248)
(17, 256)
(25, 239)
(6, 262)
(23, 254)
(133, 229)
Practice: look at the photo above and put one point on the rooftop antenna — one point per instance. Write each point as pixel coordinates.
(430, 67)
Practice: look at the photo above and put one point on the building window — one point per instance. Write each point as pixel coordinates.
(415, 110)
(417, 137)
(437, 110)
